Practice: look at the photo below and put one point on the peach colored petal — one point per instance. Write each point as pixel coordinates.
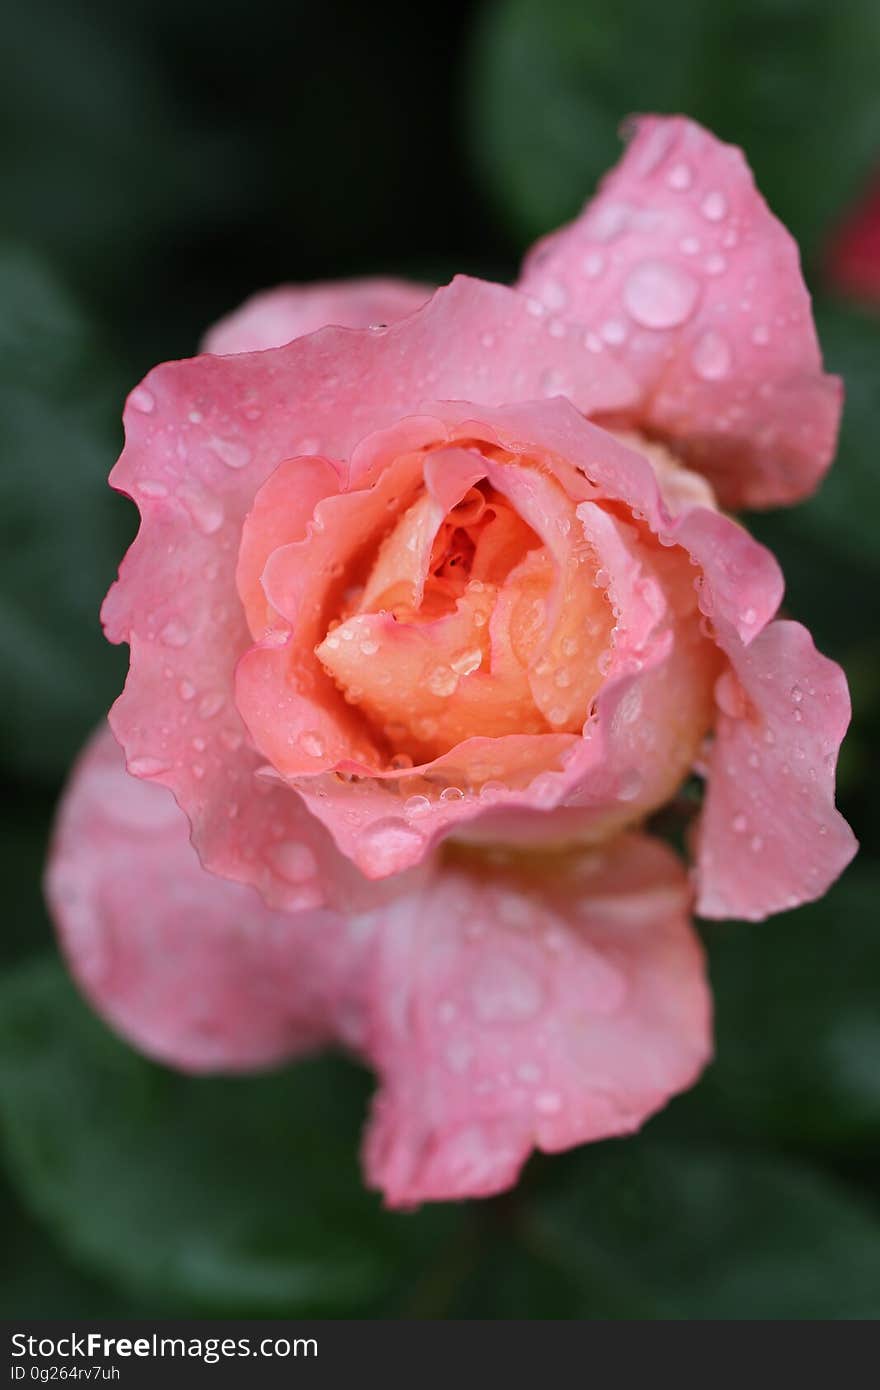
(514, 1008)
(769, 835)
(680, 269)
(196, 971)
(281, 513)
(275, 317)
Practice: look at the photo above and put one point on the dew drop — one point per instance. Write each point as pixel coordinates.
(205, 510)
(658, 295)
(614, 332)
(679, 177)
(143, 400)
(230, 452)
(739, 824)
(442, 681)
(150, 487)
(147, 766)
(711, 356)
(548, 1103)
(417, 805)
(593, 265)
(174, 634)
(467, 662)
(714, 206)
(390, 844)
(554, 295)
(630, 785)
(451, 794)
(211, 704)
(311, 743)
(295, 862)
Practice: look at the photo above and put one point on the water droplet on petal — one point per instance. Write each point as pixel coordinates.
(205, 510)
(442, 681)
(714, 206)
(467, 662)
(554, 295)
(147, 766)
(658, 295)
(548, 1103)
(679, 177)
(230, 452)
(739, 824)
(711, 357)
(614, 332)
(295, 862)
(174, 634)
(151, 487)
(630, 785)
(211, 704)
(312, 743)
(143, 400)
(417, 805)
(390, 844)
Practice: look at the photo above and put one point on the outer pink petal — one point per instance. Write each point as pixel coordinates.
(201, 437)
(769, 836)
(512, 1010)
(276, 317)
(679, 266)
(196, 971)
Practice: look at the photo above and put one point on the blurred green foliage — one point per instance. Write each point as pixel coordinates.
(157, 163)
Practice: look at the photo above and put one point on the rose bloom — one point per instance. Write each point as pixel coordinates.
(429, 610)
(852, 259)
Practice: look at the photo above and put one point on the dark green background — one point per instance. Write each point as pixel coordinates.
(159, 161)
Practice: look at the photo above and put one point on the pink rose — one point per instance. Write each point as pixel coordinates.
(425, 619)
(853, 253)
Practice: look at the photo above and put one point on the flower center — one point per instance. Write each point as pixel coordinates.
(474, 621)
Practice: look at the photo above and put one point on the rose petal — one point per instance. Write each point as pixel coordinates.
(769, 835)
(277, 316)
(194, 970)
(680, 268)
(513, 1009)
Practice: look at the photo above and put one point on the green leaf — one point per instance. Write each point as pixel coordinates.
(227, 1196)
(798, 1026)
(38, 1281)
(797, 1057)
(25, 817)
(637, 1229)
(62, 532)
(793, 83)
